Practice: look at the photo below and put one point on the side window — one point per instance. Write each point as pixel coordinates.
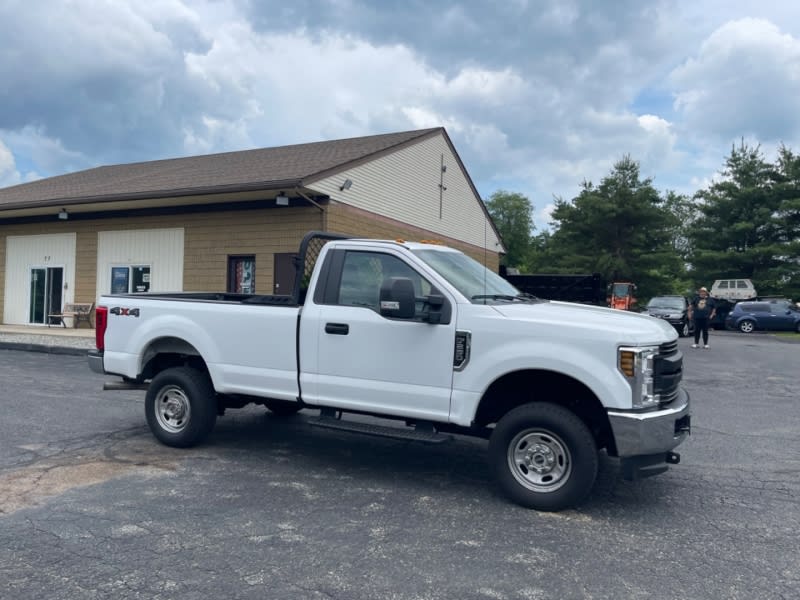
(761, 308)
(723, 285)
(741, 284)
(363, 274)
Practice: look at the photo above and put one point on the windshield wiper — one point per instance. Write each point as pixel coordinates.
(506, 297)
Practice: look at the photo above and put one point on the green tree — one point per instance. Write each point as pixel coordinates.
(512, 215)
(621, 229)
(787, 188)
(748, 222)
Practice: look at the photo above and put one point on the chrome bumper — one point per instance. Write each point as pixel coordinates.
(95, 359)
(656, 432)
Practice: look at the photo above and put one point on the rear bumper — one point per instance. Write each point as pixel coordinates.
(649, 433)
(95, 359)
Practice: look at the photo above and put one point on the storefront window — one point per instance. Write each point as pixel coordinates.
(130, 278)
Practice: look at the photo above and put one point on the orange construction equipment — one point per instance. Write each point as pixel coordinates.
(621, 296)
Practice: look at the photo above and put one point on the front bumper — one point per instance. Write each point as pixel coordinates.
(649, 433)
(95, 359)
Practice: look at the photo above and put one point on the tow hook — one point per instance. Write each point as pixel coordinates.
(673, 458)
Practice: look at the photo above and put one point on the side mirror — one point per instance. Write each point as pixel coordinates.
(397, 299)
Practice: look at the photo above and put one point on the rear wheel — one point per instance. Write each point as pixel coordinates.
(282, 408)
(747, 326)
(543, 456)
(180, 406)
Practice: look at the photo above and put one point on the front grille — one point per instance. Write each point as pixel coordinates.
(668, 371)
(668, 348)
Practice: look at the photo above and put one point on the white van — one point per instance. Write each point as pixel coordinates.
(733, 289)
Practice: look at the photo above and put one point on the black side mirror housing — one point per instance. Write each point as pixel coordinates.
(397, 298)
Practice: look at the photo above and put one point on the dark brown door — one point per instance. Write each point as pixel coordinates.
(284, 274)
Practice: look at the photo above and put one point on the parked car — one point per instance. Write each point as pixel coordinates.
(674, 309)
(733, 289)
(769, 316)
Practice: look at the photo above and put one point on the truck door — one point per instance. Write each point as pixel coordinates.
(354, 358)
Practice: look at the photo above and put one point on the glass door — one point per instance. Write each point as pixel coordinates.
(46, 288)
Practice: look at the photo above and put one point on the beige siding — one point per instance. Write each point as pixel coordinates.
(353, 221)
(404, 186)
(209, 238)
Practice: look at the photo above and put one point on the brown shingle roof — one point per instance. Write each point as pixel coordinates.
(265, 168)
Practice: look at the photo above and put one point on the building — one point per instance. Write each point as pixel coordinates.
(229, 221)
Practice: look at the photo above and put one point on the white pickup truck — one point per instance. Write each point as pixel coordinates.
(421, 334)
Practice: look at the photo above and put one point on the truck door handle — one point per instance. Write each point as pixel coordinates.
(337, 328)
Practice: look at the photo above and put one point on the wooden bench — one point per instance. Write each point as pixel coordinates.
(77, 311)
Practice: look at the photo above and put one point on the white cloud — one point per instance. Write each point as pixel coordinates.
(537, 96)
(743, 81)
(8, 168)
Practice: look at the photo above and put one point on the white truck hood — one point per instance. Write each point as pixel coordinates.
(591, 322)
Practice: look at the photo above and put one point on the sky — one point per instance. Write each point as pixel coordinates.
(537, 96)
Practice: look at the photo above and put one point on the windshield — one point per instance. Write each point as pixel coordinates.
(676, 303)
(468, 276)
(622, 289)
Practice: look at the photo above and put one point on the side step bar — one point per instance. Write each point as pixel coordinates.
(423, 432)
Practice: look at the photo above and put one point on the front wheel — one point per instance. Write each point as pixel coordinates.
(543, 456)
(180, 406)
(684, 330)
(747, 326)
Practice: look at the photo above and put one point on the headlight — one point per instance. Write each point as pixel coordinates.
(637, 364)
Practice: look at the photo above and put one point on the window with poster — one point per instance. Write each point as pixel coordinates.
(242, 274)
(130, 278)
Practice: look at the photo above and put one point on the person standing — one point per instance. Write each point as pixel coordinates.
(702, 310)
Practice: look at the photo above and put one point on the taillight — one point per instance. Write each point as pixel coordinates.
(100, 324)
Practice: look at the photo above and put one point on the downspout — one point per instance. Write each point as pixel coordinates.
(323, 213)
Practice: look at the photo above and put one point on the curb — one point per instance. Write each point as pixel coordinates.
(43, 348)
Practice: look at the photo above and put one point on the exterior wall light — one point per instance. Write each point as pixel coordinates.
(346, 185)
(282, 200)
(63, 214)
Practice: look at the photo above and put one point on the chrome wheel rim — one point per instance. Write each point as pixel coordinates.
(539, 460)
(172, 409)
(746, 326)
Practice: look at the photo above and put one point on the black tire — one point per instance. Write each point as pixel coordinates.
(683, 331)
(283, 408)
(181, 406)
(560, 460)
(746, 326)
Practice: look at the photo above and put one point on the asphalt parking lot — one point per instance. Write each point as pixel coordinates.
(93, 507)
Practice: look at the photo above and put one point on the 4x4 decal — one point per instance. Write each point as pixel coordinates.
(124, 312)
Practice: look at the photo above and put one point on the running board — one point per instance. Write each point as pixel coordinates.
(424, 433)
